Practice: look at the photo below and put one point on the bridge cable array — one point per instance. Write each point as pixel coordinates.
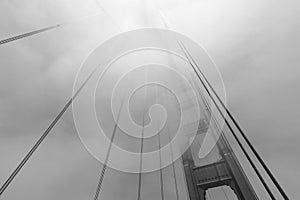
(219, 129)
(191, 61)
(245, 137)
(230, 128)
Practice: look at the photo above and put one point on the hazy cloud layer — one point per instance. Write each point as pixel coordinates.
(254, 43)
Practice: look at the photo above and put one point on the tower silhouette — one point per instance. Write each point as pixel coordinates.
(223, 171)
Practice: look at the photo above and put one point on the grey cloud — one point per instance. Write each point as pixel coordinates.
(254, 43)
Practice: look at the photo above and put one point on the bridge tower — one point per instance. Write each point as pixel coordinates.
(224, 171)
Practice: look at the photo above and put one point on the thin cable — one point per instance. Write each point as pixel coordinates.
(35, 32)
(230, 128)
(160, 159)
(173, 168)
(242, 133)
(44, 135)
(141, 162)
(232, 132)
(215, 122)
(11, 39)
(280, 189)
(173, 164)
(99, 187)
(160, 170)
(210, 114)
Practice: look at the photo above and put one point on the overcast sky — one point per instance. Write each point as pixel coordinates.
(255, 44)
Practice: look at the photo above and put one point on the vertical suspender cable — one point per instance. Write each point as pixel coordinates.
(173, 164)
(230, 128)
(141, 162)
(280, 189)
(107, 155)
(44, 135)
(160, 160)
(160, 169)
(242, 132)
(173, 168)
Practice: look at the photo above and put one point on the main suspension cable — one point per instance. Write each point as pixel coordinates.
(230, 128)
(280, 189)
(216, 124)
(44, 135)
